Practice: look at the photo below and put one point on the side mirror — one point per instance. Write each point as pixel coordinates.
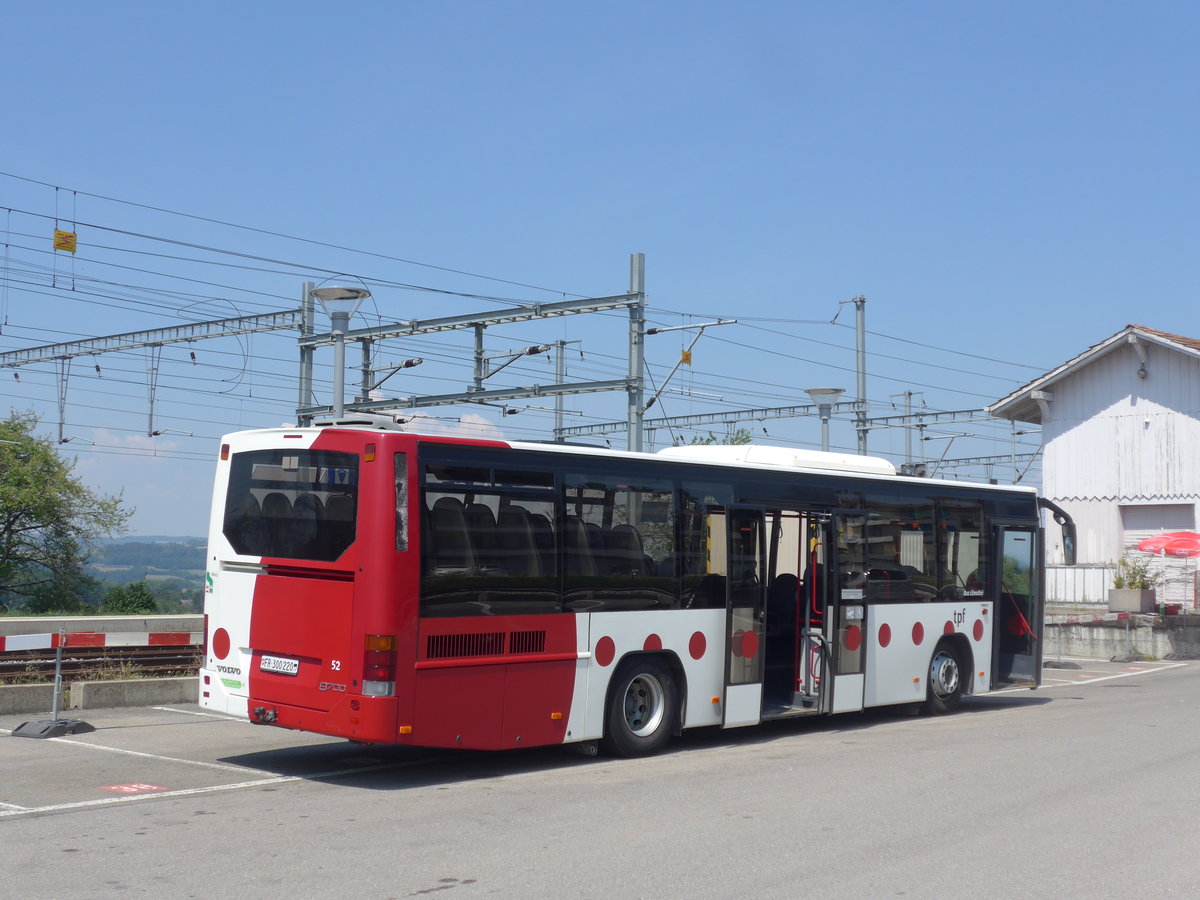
(1066, 523)
(1068, 539)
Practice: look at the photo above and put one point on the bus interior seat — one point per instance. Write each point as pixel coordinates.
(449, 543)
(624, 550)
(595, 542)
(304, 526)
(579, 559)
(481, 531)
(339, 508)
(276, 506)
(516, 549)
(543, 539)
(709, 593)
(245, 529)
(277, 515)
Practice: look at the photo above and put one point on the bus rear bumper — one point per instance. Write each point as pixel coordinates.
(371, 720)
(222, 693)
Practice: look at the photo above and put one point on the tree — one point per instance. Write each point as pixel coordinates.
(48, 518)
(741, 436)
(133, 599)
(68, 591)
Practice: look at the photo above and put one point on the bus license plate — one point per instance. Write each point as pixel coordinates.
(279, 665)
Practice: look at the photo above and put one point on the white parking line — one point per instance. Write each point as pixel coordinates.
(109, 801)
(1075, 683)
(212, 789)
(154, 756)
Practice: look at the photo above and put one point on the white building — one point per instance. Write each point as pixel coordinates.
(1120, 432)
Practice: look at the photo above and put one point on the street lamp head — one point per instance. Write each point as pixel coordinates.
(825, 398)
(824, 395)
(339, 304)
(336, 300)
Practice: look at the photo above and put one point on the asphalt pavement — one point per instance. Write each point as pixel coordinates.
(150, 798)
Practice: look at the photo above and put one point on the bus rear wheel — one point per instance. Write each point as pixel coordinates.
(945, 688)
(643, 706)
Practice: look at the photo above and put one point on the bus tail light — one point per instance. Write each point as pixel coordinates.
(379, 665)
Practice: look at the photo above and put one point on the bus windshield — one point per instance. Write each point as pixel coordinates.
(296, 504)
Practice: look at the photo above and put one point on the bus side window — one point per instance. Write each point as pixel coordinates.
(619, 543)
(482, 557)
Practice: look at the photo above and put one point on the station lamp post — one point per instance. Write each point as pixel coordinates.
(340, 303)
(825, 398)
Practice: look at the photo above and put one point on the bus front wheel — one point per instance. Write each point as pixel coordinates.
(945, 680)
(643, 705)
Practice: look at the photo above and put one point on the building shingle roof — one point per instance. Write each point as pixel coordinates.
(1022, 406)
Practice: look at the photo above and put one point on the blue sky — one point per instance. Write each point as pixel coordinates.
(1006, 183)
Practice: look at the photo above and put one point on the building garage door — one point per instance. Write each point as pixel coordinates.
(1141, 522)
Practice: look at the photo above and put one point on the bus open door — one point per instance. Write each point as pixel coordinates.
(745, 618)
(1016, 585)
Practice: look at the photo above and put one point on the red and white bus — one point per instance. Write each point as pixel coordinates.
(390, 587)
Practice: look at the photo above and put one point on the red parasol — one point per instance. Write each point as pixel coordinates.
(1172, 543)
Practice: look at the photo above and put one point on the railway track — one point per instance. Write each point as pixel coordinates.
(99, 663)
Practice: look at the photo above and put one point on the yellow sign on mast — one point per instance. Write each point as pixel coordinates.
(64, 240)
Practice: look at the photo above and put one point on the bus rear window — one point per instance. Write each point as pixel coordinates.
(297, 504)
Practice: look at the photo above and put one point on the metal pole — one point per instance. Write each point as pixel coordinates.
(341, 323)
(908, 395)
(365, 389)
(62, 639)
(637, 349)
(860, 329)
(560, 374)
(153, 360)
(64, 370)
(306, 354)
(480, 363)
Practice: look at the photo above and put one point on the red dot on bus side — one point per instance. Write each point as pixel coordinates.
(853, 638)
(918, 634)
(978, 630)
(653, 642)
(749, 645)
(885, 634)
(949, 629)
(606, 651)
(697, 645)
(220, 643)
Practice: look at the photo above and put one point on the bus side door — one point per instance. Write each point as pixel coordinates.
(745, 617)
(1017, 586)
(846, 616)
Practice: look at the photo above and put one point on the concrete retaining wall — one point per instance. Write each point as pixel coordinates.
(1159, 637)
(21, 699)
(134, 692)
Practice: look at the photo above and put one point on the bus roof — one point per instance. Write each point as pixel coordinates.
(748, 456)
